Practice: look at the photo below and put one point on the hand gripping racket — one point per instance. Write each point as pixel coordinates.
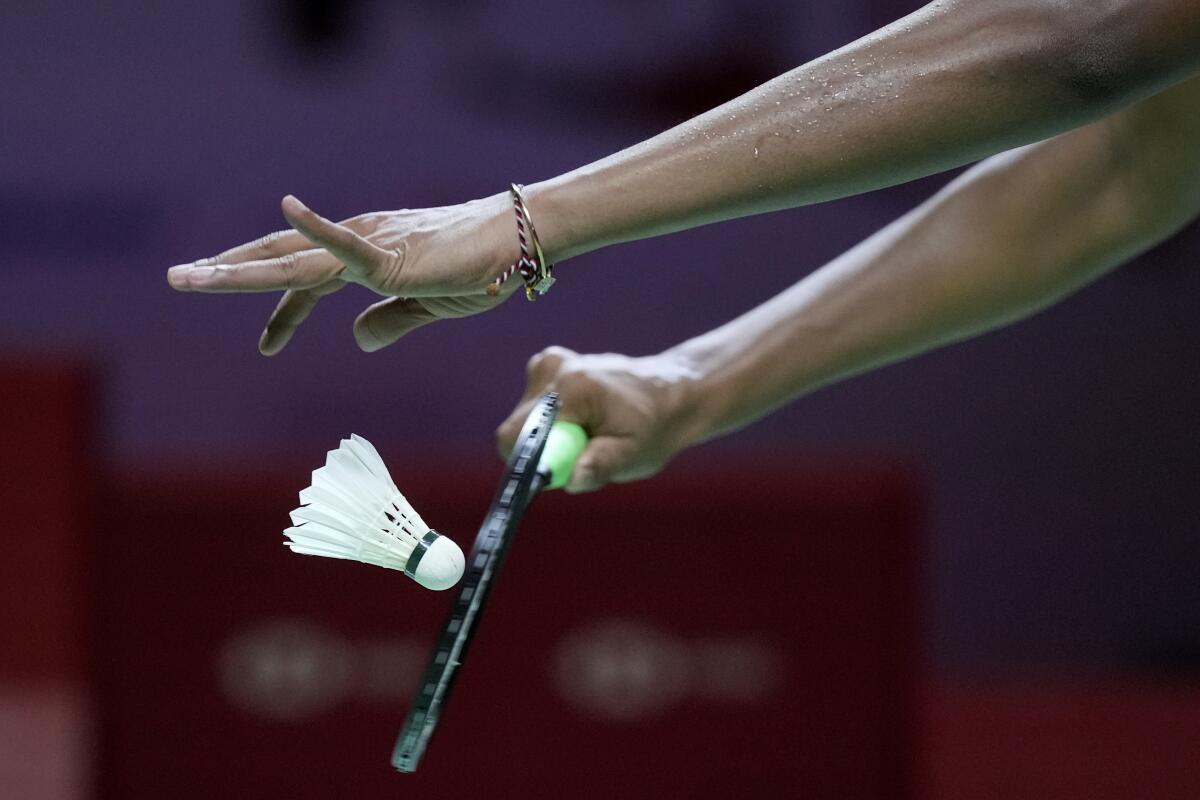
(543, 457)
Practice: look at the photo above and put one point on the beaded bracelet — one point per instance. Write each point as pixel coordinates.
(537, 274)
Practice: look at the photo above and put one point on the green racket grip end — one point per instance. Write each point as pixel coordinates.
(564, 443)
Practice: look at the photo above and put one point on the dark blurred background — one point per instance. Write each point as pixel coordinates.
(1054, 464)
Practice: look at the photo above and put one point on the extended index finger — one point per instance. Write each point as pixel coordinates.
(302, 270)
(273, 245)
(276, 244)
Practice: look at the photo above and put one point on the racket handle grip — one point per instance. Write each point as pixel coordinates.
(564, 443)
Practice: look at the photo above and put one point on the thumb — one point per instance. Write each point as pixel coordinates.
(604, 457)
(357, 254)
(386, 321)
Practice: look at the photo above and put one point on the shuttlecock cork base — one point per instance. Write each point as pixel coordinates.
(353, 510)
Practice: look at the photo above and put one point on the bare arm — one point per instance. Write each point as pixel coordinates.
(954, 82)
(1007, 238)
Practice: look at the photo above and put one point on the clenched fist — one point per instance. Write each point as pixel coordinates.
(638, 412)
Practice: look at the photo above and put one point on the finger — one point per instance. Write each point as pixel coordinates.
(506, 434)
(580, 398)
(540, 372)
(273, 245)
(293, 308)
(604, 457)
(388, 320)
(577, 393)
(543, 366)
(302, 270)
(361, 257)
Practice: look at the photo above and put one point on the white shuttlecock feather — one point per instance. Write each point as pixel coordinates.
(354, 511)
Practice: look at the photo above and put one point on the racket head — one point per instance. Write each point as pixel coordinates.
(521, 481)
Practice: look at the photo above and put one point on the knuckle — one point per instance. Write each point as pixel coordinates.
(548, 361)
(369, 221)
(576, 382)
(268, 243)
(387, 274)
(289, 266)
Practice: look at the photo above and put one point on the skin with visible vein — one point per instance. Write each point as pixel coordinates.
(1016, 233)
(1094, 100)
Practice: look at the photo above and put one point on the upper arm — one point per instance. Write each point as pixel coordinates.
(1125, 49)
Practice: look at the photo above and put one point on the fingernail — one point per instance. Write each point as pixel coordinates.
(190, 271)
(181, 276)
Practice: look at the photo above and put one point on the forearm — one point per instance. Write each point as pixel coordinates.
(950, 84)
(1004, 240)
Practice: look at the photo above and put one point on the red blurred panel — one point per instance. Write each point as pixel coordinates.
(44, 475)
(741, 633)
(45, 743)
(1069, 741)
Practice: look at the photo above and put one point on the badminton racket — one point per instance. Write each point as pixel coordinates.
(543, 457)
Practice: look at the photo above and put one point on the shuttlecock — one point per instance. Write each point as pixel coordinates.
(353, 510)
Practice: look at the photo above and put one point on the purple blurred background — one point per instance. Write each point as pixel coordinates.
(1060, 456)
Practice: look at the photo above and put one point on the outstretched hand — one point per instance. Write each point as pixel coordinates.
(433, 263)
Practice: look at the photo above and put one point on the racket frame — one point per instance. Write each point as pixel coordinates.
(522, 480)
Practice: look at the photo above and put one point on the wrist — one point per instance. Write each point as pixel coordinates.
(565, 221)
(500, 225)
(695, 396)
(743, 370)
